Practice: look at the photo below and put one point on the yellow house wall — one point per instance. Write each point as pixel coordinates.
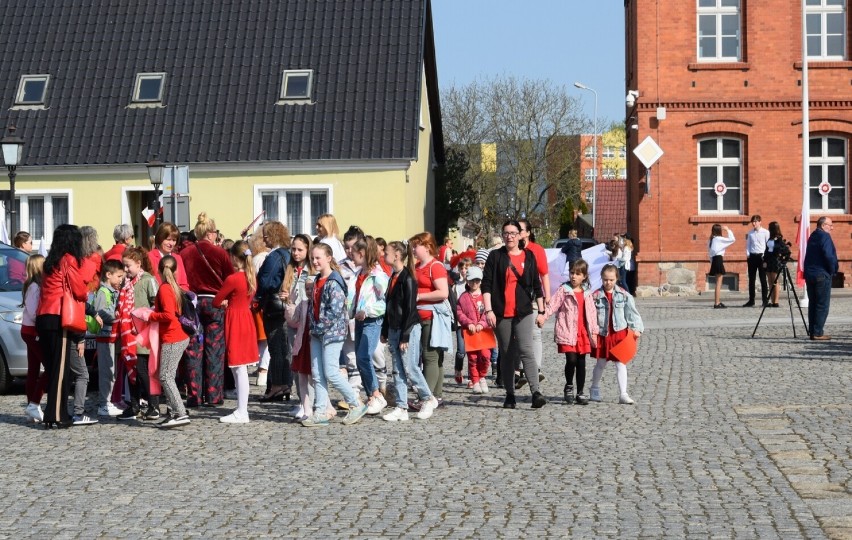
(420, 189)
(377, 201)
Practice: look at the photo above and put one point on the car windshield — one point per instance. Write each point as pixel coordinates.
(13, 268)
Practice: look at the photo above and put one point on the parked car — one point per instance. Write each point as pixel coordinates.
(587, 242)
(13, 351)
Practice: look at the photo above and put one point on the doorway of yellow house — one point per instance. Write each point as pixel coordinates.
(133, 201)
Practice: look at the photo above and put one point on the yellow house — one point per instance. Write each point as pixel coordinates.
(293, 109)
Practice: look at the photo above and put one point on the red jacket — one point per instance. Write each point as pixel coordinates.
(51, 286)
(115, 252)
(155, 256)
(166, 313)
(206, 276)
(467, 312)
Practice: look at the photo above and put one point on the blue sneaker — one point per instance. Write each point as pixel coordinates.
(315, 421)
(355, 414)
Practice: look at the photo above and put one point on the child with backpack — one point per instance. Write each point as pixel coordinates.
(240, 333)
(105, 303)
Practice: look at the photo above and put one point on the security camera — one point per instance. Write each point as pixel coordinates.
(630, 99)
(634, 126)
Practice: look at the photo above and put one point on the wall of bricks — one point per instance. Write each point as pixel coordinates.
(757, 101)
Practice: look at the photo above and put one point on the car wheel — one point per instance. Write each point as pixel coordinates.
(5, 377)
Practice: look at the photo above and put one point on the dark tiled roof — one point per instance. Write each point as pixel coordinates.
(224, 60)
(611, 211)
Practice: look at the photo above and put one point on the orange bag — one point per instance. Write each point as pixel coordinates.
(258, 323)
(625, 350)
(479, 341)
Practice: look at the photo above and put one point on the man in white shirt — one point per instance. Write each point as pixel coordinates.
(755, 248)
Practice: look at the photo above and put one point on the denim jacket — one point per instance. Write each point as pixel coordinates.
(371, 299)
(624, 313)
(331, 325)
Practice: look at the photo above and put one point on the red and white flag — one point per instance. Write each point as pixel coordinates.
(148, 213)
(802, 241)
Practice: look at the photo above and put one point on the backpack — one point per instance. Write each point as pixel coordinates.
(188, 317)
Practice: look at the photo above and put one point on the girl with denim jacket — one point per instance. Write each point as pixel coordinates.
(576, 328)
(367, 307)
(328, 321)
(617, 316)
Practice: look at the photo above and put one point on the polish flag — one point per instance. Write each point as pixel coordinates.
(148, 213)
(802, 241)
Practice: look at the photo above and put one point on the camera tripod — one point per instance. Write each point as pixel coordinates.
(788, 285)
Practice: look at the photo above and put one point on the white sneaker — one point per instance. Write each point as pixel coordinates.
(296, 412)
(477, 388)
(625, 399)
(34, 412)
(483, 385)
(427, 408)
(109, 410)
(595, 394)
(376, 405)
(398, 414)
(234, 418)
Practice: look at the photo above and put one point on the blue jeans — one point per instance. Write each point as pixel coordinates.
(367, 334)
(819, 297)
(407, 367)
(325, 368)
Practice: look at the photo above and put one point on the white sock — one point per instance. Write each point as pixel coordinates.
(242, 381)
(621, 376)
(304, 382)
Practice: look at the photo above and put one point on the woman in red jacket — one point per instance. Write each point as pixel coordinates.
(62, 263)
(173, 340)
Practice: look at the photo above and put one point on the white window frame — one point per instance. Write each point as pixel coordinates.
(823, 10)
(608, 152)
(283, 97)
(720, 162)
(718, 11)
(23, 197)
(137, 86)
(19, 95)
(590, 174)
(824, 162)
(306, 189)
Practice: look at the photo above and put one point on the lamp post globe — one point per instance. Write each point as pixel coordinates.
(13, 149)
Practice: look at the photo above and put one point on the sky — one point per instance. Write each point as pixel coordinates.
(560, 40)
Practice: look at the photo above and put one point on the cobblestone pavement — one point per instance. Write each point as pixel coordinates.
(730, 437)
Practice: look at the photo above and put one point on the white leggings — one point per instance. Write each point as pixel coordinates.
(242, 382)
(620, 374)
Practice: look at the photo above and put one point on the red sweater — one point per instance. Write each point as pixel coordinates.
(51, 286)
(166, 313)
(206, 277)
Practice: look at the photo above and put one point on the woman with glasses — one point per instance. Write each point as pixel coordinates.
(511, 287)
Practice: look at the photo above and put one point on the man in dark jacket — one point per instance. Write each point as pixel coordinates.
(820, 265)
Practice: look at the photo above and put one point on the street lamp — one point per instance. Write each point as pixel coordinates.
(582, 86)
(155, 173)
(13, 148)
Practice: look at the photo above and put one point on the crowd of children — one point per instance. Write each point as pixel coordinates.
(347, 305)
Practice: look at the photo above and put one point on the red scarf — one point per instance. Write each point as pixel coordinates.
(125, 321)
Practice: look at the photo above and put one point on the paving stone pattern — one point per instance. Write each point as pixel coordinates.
(731, 437)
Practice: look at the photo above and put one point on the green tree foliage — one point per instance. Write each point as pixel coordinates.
(566, 218)
(454, 197)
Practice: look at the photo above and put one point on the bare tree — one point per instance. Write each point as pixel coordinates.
(520, 138)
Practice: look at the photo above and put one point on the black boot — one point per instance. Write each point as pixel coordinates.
(538, 400)
(509, 402)
(568, 393)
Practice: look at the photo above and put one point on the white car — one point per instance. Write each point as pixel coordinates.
(13, 351)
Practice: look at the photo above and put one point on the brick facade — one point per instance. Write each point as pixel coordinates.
(755, 100)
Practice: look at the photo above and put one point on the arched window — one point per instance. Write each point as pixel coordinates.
(720, 175)
(827, 179)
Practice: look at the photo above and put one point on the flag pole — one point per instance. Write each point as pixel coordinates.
(805, 226)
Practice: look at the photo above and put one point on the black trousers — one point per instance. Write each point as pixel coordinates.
(755, 266)
(55, 348)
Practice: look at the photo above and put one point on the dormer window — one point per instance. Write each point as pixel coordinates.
(149, 87)
(32, 90)
(296, 85)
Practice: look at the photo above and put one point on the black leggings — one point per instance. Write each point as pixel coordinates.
(575, 361)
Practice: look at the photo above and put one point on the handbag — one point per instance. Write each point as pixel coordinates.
(273, 306)
(72, 312)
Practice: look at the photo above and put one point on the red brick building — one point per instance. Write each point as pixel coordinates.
(719, 89)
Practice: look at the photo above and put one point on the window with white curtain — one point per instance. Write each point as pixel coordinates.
(40, 213)
(298, 209)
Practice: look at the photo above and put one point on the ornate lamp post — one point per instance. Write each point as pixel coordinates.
(156, 170)
(13, 148)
